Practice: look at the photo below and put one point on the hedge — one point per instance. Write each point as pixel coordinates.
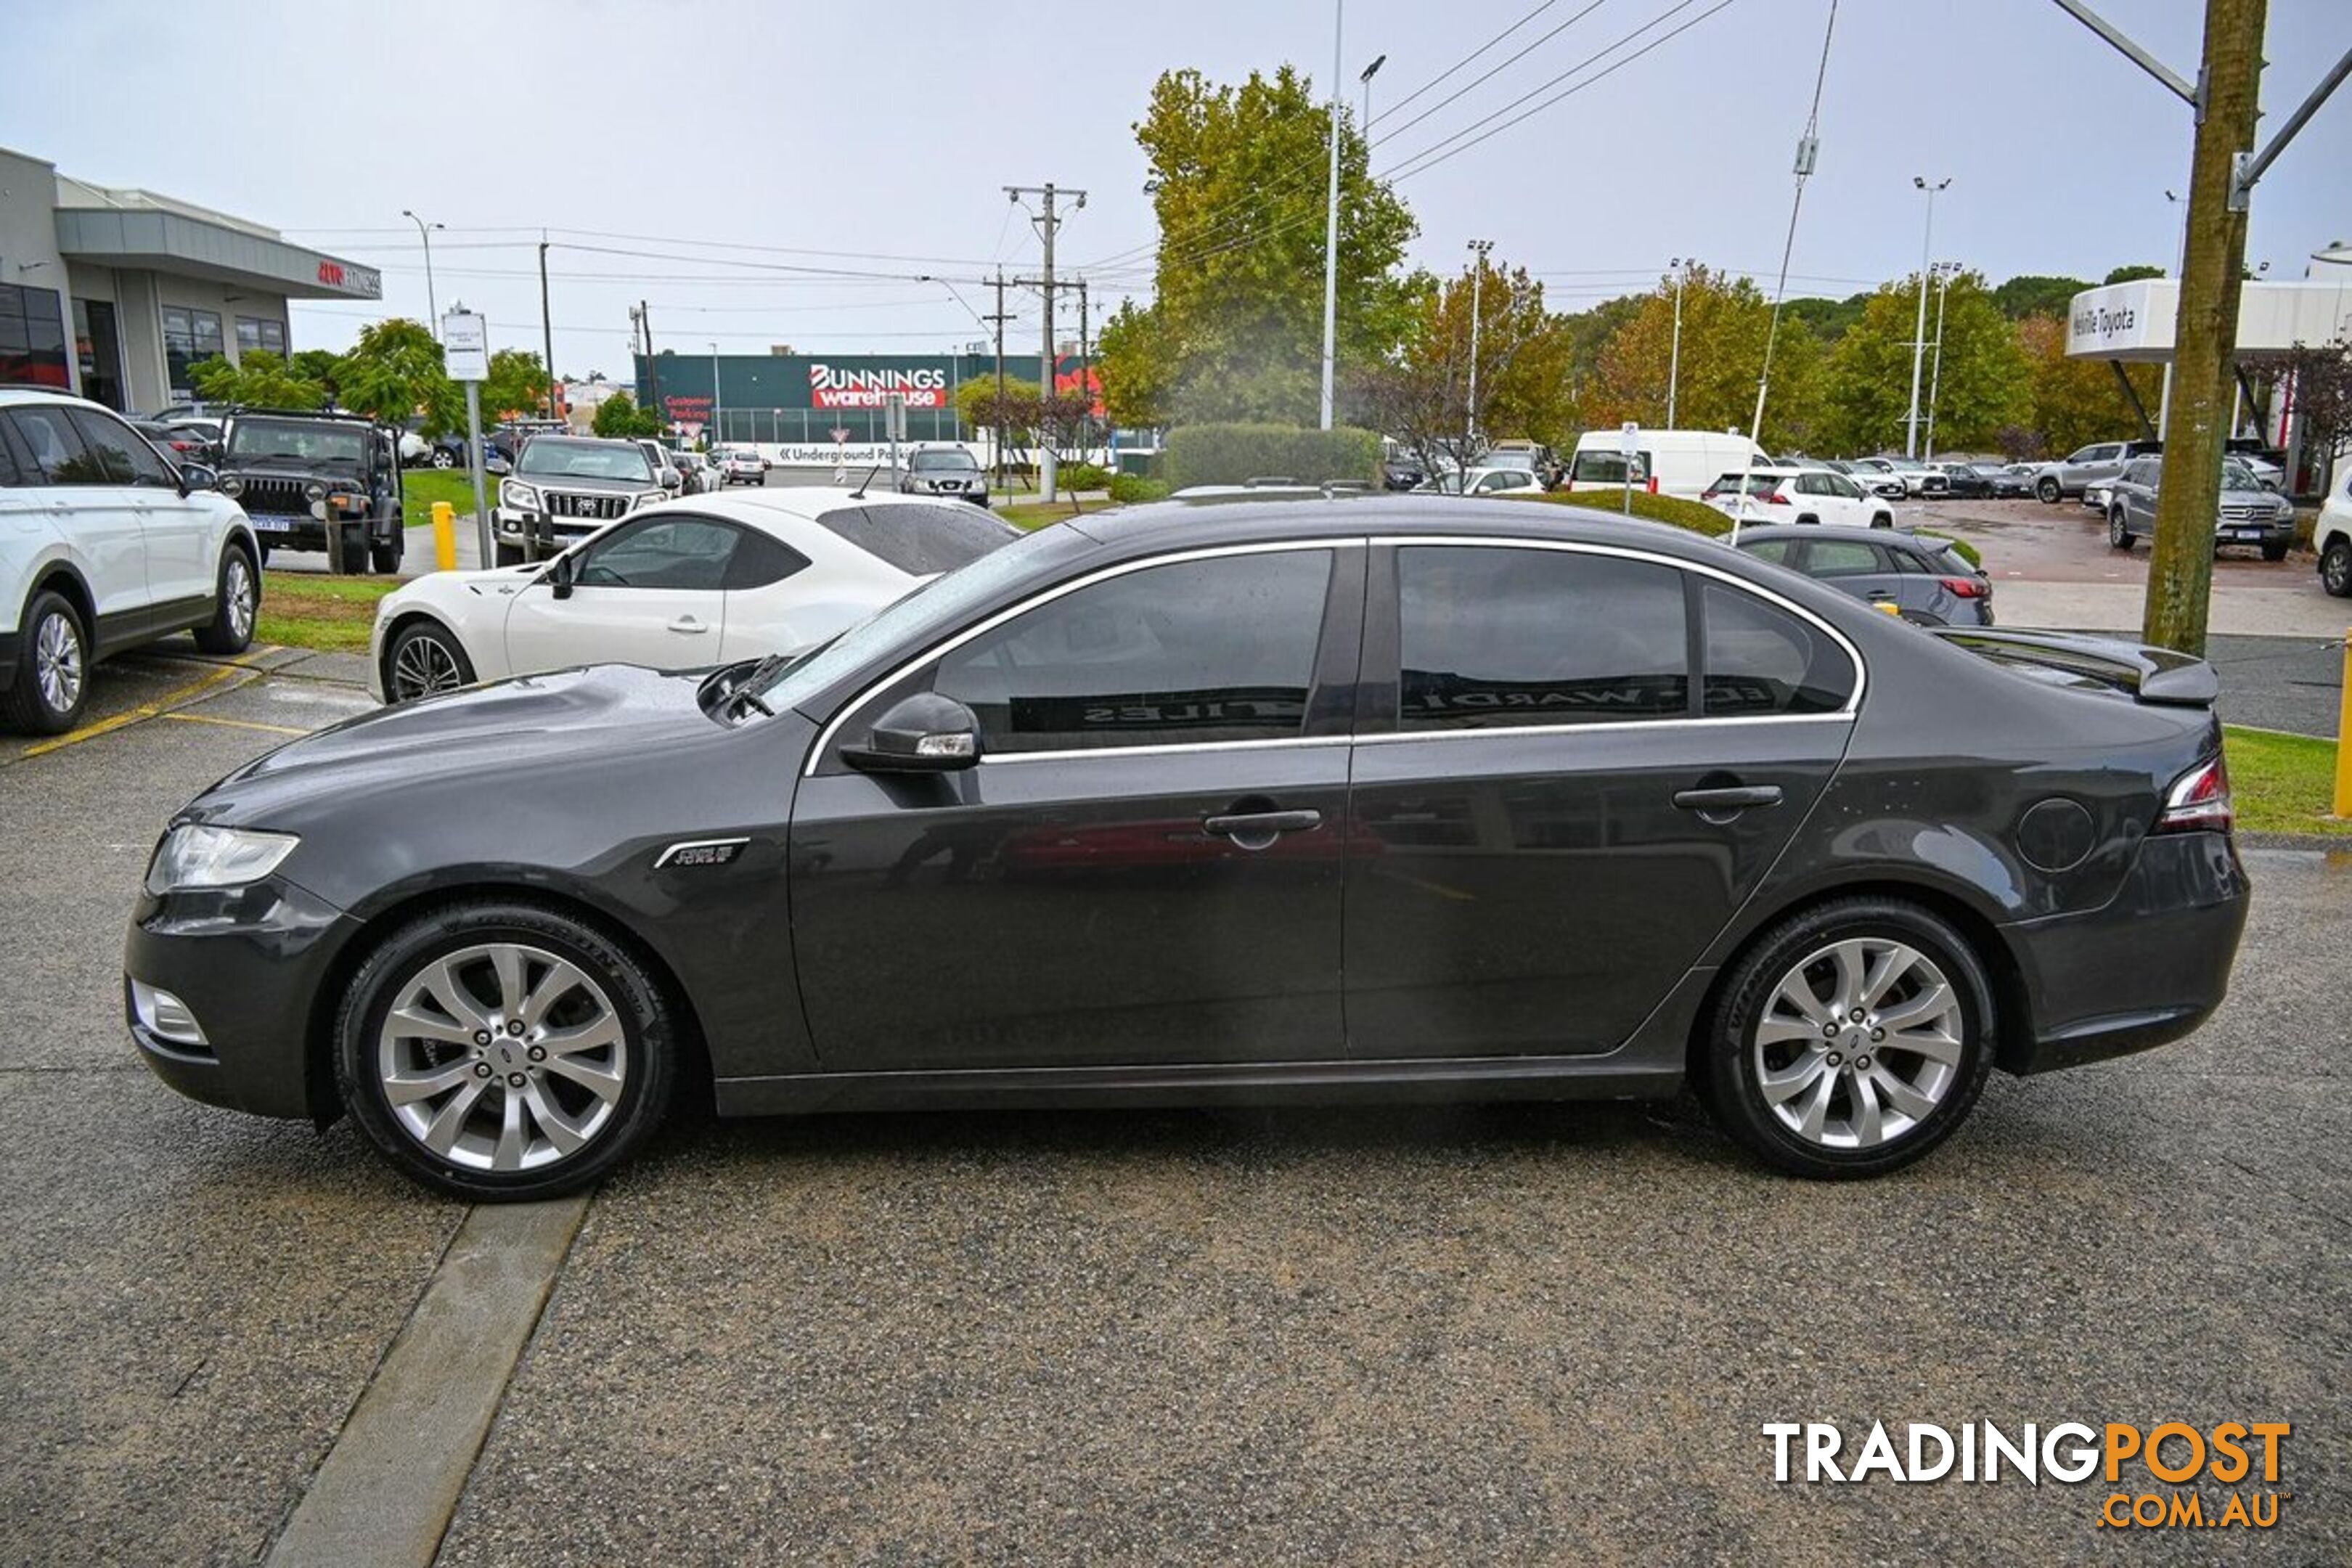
(1133, 489)
(1693, 515)
(1234, 454)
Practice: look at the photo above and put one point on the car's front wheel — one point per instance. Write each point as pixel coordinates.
(2048, 490)
(1882, 519)
(2118, 536)
(1851, 1040)
(2274, 552)
(504, 1051)
(444, 459)
(425, 657)
(231, 628)
(2336, 568)
(52, 683)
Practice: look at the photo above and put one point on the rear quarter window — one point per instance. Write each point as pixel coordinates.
(1762, 660)
(921, 540)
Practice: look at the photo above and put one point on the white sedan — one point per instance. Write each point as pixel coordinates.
(682, 584)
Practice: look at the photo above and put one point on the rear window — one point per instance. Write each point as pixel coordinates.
(1758, 485)
(921, 540)
(1598, 468)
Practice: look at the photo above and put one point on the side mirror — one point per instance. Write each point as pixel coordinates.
(559, 577)
(671, 479)
(924, 733)
(195, 477)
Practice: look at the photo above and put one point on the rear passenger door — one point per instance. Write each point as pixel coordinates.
(96, 517)
(1858, 567)
(1546, 827)
(182, 564)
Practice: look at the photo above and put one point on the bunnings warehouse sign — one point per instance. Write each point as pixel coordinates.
(846, 386)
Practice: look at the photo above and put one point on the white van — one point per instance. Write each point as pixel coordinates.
(1669, 462)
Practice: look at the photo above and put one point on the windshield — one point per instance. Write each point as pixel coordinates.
(2238, 476)
(297, 440)
(584, 460)
(933, 460)
(921, 616)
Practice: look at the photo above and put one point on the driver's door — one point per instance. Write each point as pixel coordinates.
(651, 591)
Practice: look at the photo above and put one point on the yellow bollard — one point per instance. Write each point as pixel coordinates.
(445, 536)
(2344, 730)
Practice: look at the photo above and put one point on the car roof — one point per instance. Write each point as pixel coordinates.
(1183, 523)
(19, 396)
(1771, 531)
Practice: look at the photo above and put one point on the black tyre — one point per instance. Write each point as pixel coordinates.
(2118, 536)
(236, 603)
(52, 684)
(1850, 1040)
(504, 1051)
(2274, 552)
(265, 555)
(1882, 519)
(1808, 518)
(2336, 568)
(2047, 490)
(384, 556)
(425, 657)
(444, 459)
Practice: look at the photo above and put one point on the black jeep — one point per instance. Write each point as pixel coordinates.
(294, 472)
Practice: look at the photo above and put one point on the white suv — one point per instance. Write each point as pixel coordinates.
(2332, 535)
(105, 545)
(1789, 494)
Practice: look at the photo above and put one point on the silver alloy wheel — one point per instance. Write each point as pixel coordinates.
(2336, 570)
(1859, 1043)
(56, 661)
(423, 665)
(502, 1056)
(237, 581)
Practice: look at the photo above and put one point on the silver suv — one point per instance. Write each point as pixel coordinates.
(2092, 465)
(944, 471)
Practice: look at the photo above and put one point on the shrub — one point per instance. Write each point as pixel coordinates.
(1695, 516)
(1082, 477)
(1234, 454)
(1132, 490)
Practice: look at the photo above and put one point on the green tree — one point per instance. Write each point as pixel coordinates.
(1726, 322)
(1235, 329)
(1827, 320)
(1983, 384)
(517, 384)
(978, 406)
(395, 373)
(2029, 294)
(2072, 402)
(2132, 274)
(1420, 395)
(261, 379)
(324, 366)
(618, 417)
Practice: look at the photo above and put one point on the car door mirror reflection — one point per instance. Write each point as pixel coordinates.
(924, 733)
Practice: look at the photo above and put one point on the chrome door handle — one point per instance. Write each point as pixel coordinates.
(1257, 829)
(689, 625)
(1728, 797)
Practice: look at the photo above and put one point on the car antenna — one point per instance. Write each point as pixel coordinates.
(859, 493)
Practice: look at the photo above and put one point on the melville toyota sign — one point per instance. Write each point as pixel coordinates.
(838, 386)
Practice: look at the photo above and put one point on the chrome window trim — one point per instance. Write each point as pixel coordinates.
(940, 651)
(1843, 715)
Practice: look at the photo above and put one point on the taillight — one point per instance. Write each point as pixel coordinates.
(1776, 498)
(2199, 800)
(1964, 587)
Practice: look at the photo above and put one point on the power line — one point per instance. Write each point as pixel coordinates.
(1465, 60)
(1492, 72)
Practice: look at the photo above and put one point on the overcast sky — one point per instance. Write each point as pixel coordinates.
(885, 132)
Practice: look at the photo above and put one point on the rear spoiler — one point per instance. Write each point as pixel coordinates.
(2156, 675)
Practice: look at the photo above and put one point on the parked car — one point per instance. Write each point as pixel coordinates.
(2331, 536)
(701, 477)
(1384, 797)
(1402, 472)
(180, 443)
(1921, 578)
(2247, 514)
(565, 488)
(1533, 455)
(740, 466)
(298, 473)
(1667, 462)
(1784, 494)
(1878, 476)
(105, 545)
(943, 471)
(1502, 482)
(2087, 466)
(1920, 480)
(1975, 481)
(687, 584)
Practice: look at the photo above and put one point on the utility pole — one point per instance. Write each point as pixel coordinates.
(2180, 567)
(652, 365)
(547, 329)
(996, 430)
(1086, 387)
(1331, 222)
(1478, 248)
(1944, 271)
(1045, 226)
(717, 432)
(1681, 264)
(1919, 333)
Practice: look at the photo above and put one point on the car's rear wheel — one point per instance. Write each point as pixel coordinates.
(1851, 1040)
(444, 459)
(231, 628)
(1882, 519)
(2274, 552)
(504, 1051)
(2336, 568)
(52, 684)
(384, 557)
(2048, 490)
(2118, 536)
(425, 657)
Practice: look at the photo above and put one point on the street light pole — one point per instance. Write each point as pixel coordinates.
(1681, 264)
(425, 233)
(1944, 271)
(1369, 71)
(1331, 222)
(716, 434)
(1478, 277)
(1919, 333)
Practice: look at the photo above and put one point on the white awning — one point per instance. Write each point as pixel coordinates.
(2135, 320)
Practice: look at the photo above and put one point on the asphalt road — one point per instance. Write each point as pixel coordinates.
(1463, 1334)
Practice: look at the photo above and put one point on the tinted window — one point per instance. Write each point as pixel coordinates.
(1844, 558)
(1906, 561)
(1773, 550)
(1594, 467)
(760, 560)
(1194, 651)
(9, 474)
(122, 454)
(668, 552)
(1762, 660)
(305, 441)
(921, 540)
(1493, 639)
(58, 453)
(32, 337)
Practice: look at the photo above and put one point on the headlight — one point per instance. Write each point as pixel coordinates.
(232, 487)
(514, 494)
(651, 497)
(314, 490)
(195, 856)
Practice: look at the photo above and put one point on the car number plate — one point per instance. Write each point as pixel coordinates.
(266, 523)
(2245, 533)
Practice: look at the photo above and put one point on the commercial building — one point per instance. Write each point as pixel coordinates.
(114, 293)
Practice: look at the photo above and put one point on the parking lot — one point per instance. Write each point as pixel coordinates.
(1469, 1333)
